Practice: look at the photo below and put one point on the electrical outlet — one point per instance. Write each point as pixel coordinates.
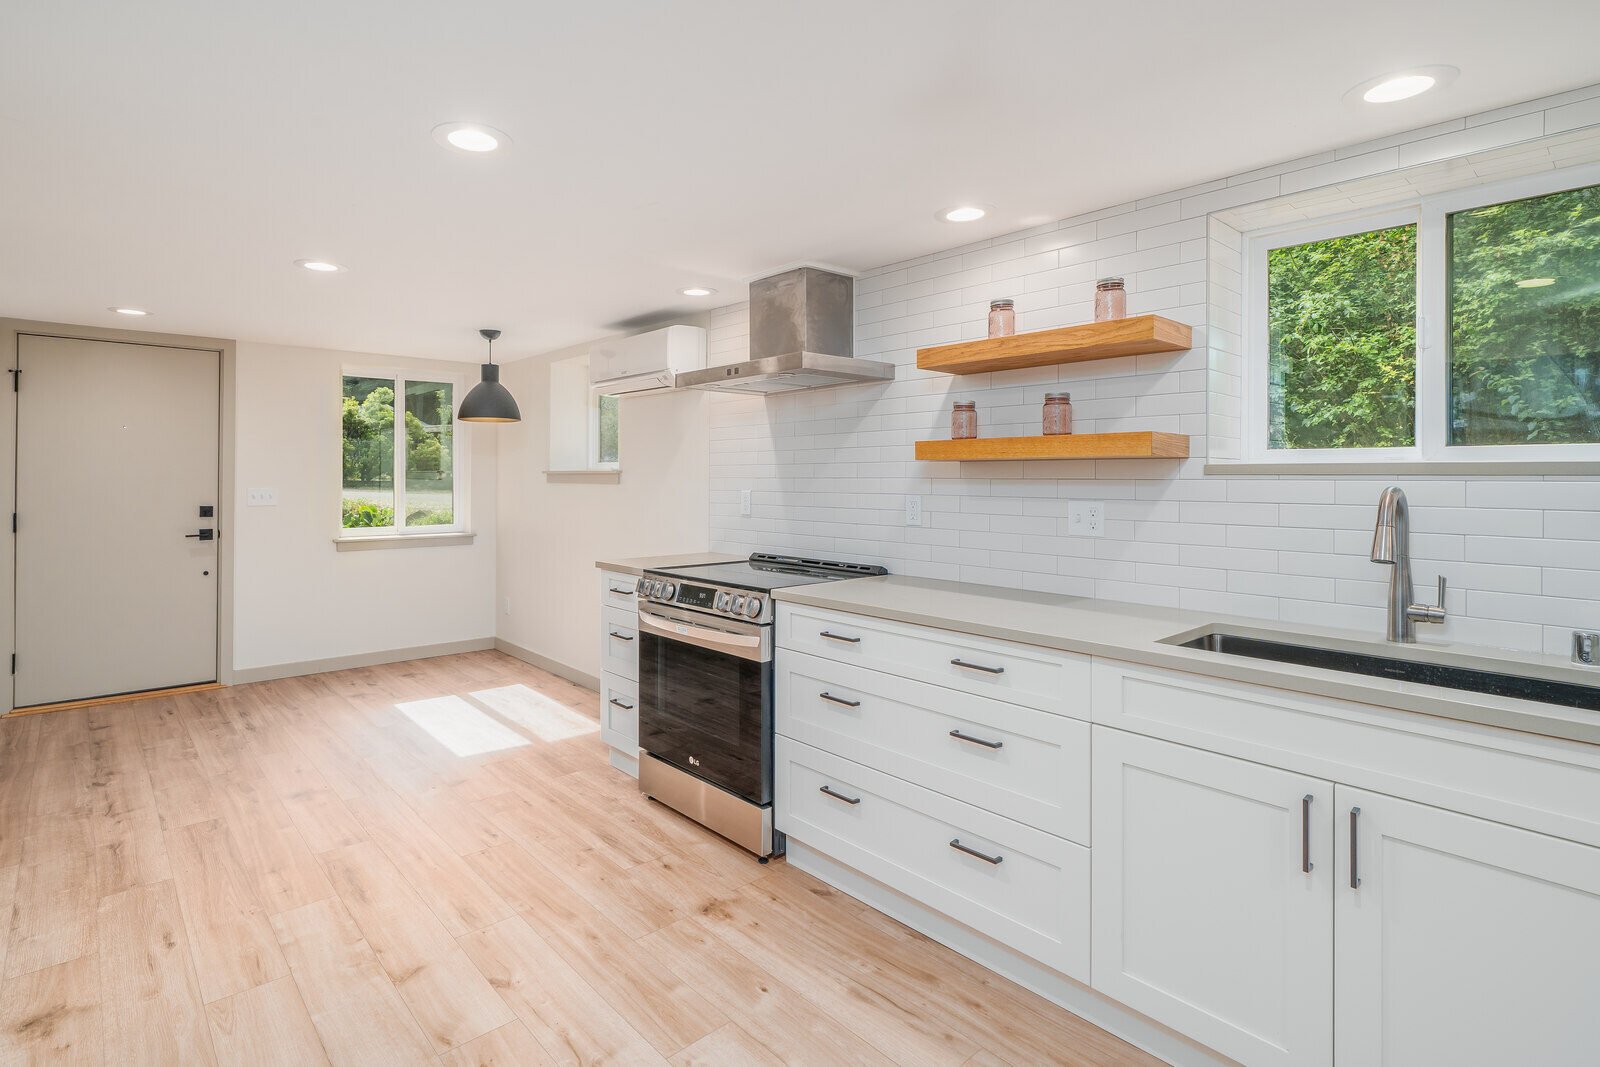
(913, 511)
(261, 498)
(744, 503)
(1086, 518)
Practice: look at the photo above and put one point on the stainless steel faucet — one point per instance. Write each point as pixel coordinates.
(1391, 544)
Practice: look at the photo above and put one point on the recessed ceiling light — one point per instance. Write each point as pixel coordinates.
(128, 311)
(470, 137)
(964, 213)
(1535, 283)
(697, 290)
(1401, 85)
(321, 266)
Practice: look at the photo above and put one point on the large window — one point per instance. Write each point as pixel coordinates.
(1467, 327)
(400, 463)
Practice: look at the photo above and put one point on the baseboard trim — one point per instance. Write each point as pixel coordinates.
(245, 675)
(1081, 1000)
(560, 670)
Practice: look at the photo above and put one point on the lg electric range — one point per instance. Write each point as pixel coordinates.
(705, 688)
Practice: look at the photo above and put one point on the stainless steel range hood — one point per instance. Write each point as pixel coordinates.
(802, 327)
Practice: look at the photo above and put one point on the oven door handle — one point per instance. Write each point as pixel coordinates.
(745, 646)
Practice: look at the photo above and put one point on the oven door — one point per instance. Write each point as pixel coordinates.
(705, 698)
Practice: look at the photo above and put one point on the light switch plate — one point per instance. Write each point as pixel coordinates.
(261, 498)
(1086, 518)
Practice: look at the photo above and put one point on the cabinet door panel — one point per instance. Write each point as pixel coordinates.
(1204, 916)
(1467, 942)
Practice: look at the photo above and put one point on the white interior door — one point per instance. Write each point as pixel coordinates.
(1467, 943)
(116, 457)
(1211, 902)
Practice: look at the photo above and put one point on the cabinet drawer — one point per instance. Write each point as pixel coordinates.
(619, 713)
(617, 590)
(619, 643)
(1035, 898)
(1025, 764)
(1021, 674)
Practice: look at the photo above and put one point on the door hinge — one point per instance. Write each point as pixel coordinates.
(13, 522)
(16, 379)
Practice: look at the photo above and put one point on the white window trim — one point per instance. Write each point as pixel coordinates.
(1433, 372)
(460, 458)
(595, 462)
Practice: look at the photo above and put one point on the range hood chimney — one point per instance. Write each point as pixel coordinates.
(802, 328)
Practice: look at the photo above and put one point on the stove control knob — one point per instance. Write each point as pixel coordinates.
(737, 607)
(752, 607)
(657, 588)
(671, 591)
(643, 588)
(722, 601)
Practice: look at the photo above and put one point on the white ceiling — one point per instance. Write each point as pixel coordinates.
(180, 155)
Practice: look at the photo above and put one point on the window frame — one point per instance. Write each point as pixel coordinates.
(595, 462)
(1429, 214)
(460, 458)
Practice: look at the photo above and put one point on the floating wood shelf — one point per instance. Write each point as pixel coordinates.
(1136, 336)
(1142, 445)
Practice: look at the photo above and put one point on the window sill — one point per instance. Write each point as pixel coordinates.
(410, 540)
(596, 476)
(1442, 467)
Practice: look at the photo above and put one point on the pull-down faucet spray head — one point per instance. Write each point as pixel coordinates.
(1386, 538)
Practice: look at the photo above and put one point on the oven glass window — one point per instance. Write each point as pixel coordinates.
(704, 713)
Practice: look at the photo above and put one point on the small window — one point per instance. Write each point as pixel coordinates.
(1524, 312)
(606, 447)
(1342, 341)
(399, 473)
(585, 426)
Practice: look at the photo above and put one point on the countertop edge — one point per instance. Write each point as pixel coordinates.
(1320, 683)
(637, 565)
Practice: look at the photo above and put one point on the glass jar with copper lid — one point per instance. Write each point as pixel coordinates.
(1110, 299)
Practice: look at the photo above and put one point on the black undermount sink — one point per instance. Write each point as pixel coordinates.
(1522, 687)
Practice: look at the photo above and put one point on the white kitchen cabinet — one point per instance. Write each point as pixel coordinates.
(1466, 942)
(1211, 905)
(619, 669)
(1026, 889)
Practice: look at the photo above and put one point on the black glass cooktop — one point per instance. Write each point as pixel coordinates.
(766, 572)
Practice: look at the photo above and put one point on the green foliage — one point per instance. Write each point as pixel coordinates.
(1342, 341)
(364, 513)
(609, 444)
(430, 517)
(1525, 362)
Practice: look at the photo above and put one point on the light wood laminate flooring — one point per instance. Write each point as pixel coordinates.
(432, 862)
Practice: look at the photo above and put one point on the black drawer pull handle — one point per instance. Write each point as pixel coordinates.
(837, 637)
(622, 592)
(841, 701)
(956, 844)
(835, 794)
(977, 667)
(959, 736)
(620, 704)
(620, 637)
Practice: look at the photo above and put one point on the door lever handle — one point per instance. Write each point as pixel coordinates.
(203, 535)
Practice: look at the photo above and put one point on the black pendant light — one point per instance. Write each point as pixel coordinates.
(489, 401)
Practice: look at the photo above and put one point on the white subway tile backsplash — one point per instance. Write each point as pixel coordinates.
(830, 470)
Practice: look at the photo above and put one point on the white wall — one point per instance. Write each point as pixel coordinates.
(296, 598)
(831, 470)
(552, 531)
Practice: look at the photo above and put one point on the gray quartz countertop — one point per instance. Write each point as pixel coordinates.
(639, 564)
(1136, 633)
